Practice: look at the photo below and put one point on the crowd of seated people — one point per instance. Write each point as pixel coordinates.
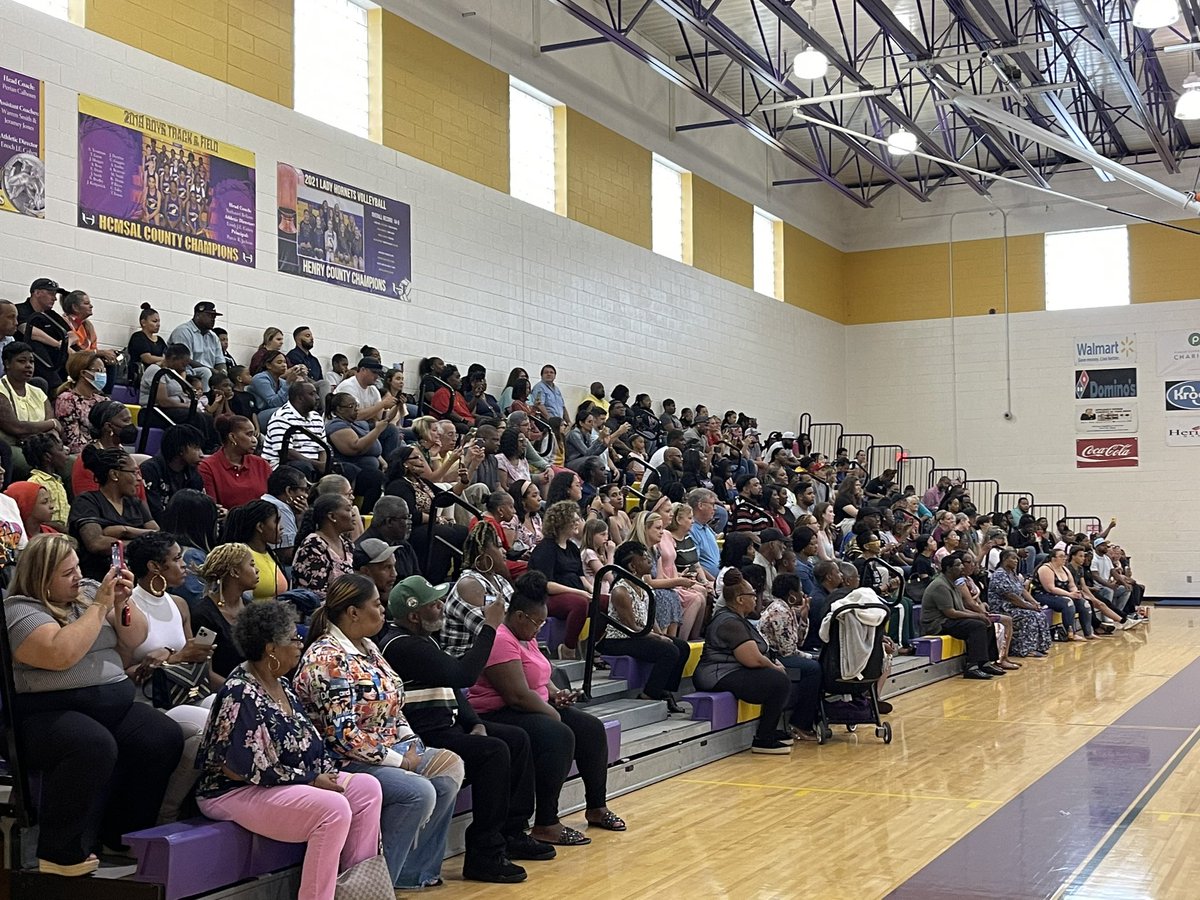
(488, 515)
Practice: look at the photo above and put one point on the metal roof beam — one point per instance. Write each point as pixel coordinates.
(993, 137)
(787, 14)
(1133, 92)
(614, 36)
(716, 33)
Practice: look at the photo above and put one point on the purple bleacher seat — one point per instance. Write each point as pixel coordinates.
(463, 803)
(123, 393)
(719, 708)
(612, 735)
(553, 633)
(636, 672)
(929, 647)
(199, 855)
(153, 441)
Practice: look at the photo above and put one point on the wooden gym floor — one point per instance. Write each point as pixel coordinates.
(1077, 776)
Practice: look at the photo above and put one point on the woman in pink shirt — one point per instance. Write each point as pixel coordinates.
(515, 689)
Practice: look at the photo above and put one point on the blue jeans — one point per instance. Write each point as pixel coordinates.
(415, 819)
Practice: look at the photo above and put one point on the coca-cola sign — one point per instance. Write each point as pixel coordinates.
(1106, 453)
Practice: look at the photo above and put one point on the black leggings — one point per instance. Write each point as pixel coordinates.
(768, 687)
(668, 658)
(579, 736)
(105, 761)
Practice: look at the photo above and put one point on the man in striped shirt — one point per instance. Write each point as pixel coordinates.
(303, 453)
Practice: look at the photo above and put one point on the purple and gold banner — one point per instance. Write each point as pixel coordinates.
(344, 235)
(163, 184)
(22, 144)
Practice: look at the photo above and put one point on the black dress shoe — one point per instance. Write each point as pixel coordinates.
(526, 846)
(884, 707)
(497, 870)
(977, 674)
(992, 669)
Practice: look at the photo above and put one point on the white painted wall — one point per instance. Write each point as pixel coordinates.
(495, 280)
(938, 387)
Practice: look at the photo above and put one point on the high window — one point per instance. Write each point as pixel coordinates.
(666, 208)
(768, 234)
(332, 70)
(532, 151)
(1087, 268)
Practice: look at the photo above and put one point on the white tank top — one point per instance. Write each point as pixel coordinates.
(166, 623)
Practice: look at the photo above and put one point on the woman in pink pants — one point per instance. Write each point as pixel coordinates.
(265, 767)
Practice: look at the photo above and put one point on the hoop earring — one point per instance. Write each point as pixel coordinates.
(273, 664)
(481, 570)
(158, 591)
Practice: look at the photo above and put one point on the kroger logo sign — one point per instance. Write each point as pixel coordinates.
(1183, 395)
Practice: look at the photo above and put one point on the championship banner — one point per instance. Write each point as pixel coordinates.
(163, 184)
(22, 144)
(343, 235)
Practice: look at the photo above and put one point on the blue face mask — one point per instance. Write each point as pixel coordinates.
(99, 380)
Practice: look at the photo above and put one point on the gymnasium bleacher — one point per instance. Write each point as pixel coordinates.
(645, 745)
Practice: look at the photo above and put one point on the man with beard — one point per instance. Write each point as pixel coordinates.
(748, 513)
(389, 526)
(301, 354)
(497, 757)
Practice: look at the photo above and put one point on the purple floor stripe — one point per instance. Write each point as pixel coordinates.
(1030, 846)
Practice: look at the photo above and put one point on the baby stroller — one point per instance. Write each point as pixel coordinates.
(852, 701)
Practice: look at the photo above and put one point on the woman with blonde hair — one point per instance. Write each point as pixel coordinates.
(272, 340)
(678, 605)
(104, 759)
(442, 460)
(229, 575)
(679, 558)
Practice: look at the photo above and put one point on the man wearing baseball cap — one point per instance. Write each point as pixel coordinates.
(48, 332)
(376, 560)
(198, 336)
(497, 757)
(362, 386)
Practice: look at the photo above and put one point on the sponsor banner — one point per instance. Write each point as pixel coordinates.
(22, 144)
(343, 235)
(1105, 384)
(1183, 431)
(1105, 419)
(1106, 453)
(1105, 350)
(1179, 352)
(1182, 396)
(163, 184)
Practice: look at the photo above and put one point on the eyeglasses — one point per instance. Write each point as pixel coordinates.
(532, 621)
(297, 638)
(740, 596)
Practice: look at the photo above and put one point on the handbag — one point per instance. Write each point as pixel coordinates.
(178, 684)
(366, 880)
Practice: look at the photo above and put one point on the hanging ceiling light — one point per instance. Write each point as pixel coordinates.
(810, 64)
(1187, 107)
(1150, 14)
(901, 142)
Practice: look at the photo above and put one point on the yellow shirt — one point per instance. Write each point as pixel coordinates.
(58, 493)
(271, 580)
(31, 407)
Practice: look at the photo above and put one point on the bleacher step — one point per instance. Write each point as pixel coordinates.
(604, 689)
(630, 713)
(636, 741)
(572, 668)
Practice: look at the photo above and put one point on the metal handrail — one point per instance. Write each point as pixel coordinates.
(317, 439)
(443, 498)
(426, 407)
(151, 406)
(598, 618)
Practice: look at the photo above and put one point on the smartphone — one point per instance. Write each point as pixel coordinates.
(118, 555)
(206, 636)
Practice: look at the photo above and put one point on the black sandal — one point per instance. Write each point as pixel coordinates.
(568, 837)
(610, 821)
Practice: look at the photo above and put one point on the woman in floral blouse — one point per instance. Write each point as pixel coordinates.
(85, 384)
(780, 625)
(356, 701)
(325, 550)
(265, 766)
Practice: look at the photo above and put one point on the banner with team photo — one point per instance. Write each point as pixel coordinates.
(164, 184)
(1105, 384)
(1096, 418)
(22, 144)
(343, 235)
(1179, 353)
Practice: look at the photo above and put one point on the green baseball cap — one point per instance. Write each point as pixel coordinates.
(411, 594)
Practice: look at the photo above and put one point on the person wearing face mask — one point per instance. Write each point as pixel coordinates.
(112, 427)
(84, 388)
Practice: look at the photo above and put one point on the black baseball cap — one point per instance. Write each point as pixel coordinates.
(370, 362)
(45, 284)
(205, 306)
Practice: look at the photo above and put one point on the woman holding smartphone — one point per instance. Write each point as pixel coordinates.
(515, 689)
(356, 701)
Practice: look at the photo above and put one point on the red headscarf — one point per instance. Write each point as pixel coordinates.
(25, 493)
